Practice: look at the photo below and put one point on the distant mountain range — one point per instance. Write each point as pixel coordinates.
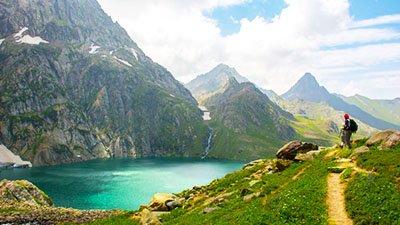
(388, 110)
(307, 88)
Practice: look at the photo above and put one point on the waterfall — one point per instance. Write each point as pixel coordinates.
(210, 134)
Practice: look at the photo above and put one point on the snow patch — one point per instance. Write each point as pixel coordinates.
(8, 158)
(27, 39)
(111, 52)
(123, 61)
(19, 34)
(93, 49)
(134, 53)
(103, 56)
(1, 41)
(206, 113)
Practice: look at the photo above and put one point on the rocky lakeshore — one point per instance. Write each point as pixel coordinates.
(21, 202)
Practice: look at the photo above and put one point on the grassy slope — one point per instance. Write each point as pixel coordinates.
(371, 198)
(249, 145)
(375, 198)
(387, 110)
(300, 201)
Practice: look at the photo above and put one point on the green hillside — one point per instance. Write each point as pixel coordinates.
(246, 124)
(362, 181)
(388, 110)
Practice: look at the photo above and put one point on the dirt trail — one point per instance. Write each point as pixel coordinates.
(336, 201)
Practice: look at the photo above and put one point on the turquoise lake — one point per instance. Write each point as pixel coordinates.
(120, 183)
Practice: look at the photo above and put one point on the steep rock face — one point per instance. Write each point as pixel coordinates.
(74, 87)
(242, 113)
(307, 88)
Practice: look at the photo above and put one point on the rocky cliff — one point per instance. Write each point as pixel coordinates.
(74, 86)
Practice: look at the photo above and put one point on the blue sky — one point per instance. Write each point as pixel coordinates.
(351, 46)
(228, 17)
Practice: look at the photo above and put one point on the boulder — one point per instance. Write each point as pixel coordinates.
(163, 202)
(379, 137)
(291, 149)
(24, 192)
(391, 141)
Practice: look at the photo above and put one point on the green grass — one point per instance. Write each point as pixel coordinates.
(375, 198)
(347, 173)
(123, 219)
(385, 162)
(302, 201)
(344, 152)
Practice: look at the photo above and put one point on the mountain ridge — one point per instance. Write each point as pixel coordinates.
(307, 88)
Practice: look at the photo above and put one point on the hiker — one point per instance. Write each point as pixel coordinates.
(348, 128)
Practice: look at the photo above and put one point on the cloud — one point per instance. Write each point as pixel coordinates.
(388, 19)
(317, 36)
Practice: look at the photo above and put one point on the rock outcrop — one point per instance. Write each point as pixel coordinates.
(21, 202)
(293, 148)
(387, 139)
(24, 192)
(163, 202)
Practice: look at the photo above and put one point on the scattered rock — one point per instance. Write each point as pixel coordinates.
(163, 202)
(208, 210)
(280, 164)
(254, 182)
(358, 151)
(148, 218)
(291, 149)
(251, 196)
(219, 199)
(252, 164)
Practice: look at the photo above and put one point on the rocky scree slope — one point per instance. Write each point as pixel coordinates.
(74, 86)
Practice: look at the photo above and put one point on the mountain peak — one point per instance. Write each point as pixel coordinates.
(223, 68)
(307, 88)
(308, 79)
(211, 82)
